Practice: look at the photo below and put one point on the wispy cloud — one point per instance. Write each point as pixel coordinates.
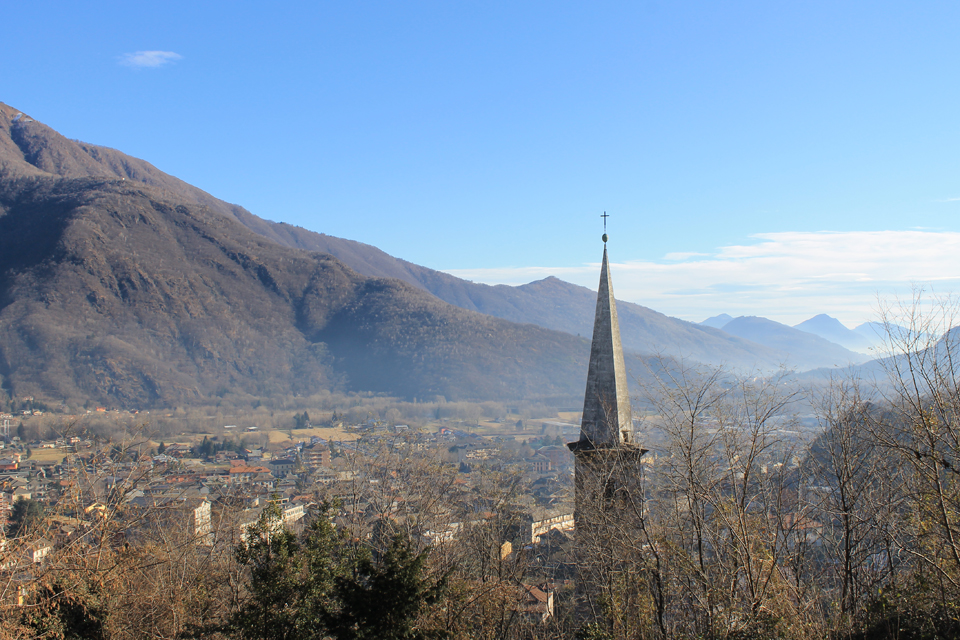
(786, 276)
(949, 200)
(148, 59)
(683, 255)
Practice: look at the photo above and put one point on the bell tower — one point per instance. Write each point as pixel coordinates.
(607, 463)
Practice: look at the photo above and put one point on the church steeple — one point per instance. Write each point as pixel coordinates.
(606, 404)
(608, 471)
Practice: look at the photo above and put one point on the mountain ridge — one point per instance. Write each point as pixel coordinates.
(565, 307)
(805, 350)
(118, 291)
(87, 310)
(550, 302)
(372, 335)
(831, 329)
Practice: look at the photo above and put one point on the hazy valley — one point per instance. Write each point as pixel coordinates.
(124, 285)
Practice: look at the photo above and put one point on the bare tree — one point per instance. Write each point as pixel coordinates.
(922, 431)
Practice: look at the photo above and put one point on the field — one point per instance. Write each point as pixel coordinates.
(271, 429)
(281, 436)
(47, 455)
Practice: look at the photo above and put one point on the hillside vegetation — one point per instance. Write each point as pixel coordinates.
(32, 148)
(123, 292)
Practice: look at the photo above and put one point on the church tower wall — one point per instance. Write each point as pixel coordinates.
(608, 470)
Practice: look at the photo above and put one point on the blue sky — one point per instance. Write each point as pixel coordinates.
(777, 159)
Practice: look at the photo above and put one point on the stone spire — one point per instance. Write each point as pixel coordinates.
(606, 404)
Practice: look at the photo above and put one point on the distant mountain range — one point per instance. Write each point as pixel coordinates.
(804, 348)
(875, 333)
(864, 339)
(118, 281)
(717, 322)
(831, 329)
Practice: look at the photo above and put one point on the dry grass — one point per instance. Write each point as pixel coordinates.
(47, 455)
(279, 436)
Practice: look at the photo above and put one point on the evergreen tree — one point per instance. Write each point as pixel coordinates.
(384, 600)
(25, 515)
(291, 580)
(206, 448)
(57, 613)
(273, 556)
(322, 586)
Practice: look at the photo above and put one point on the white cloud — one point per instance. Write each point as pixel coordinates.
(148, 59)
(683, 255)
(785, 276)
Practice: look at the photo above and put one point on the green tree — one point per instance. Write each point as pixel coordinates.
(384, 600)
(301, 420)
(25, 515)
(272, 554)
(593, 632)
(61, 615)
(206, 448)
(291, 580)
(321, 585)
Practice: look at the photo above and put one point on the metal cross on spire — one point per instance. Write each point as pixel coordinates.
(604, 215)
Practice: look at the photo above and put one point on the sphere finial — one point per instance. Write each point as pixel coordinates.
(604, 238)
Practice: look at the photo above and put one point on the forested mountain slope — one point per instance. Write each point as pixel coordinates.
(32, 148)
(118, 290)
